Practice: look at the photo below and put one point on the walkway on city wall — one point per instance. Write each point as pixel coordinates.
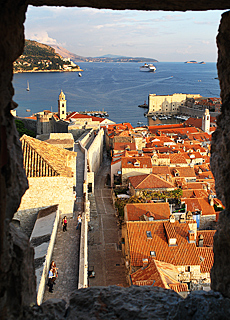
(66, 248)
(105, 258)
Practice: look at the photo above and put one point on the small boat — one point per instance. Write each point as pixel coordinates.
(148, 67)
(139, 122)
(28, 110)
(28, 87)
(154, 118)
(79, 74)
(144, 105)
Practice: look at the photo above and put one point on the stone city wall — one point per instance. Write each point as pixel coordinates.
(43, 239)
(46, 191)
(95, 152)
(86, 138)
(192, 112)
(59, 126)
(29, 124)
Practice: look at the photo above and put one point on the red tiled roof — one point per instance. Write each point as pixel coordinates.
(124, 145)
(75, 115)
(159, 211)
(184, 172)
(160, 170)
(199, 204)
(207, 237)
(141, 246)
(149, 181)
(196, 193)
(194, 122)
(177, 158)
(159, 274)
(129, 162)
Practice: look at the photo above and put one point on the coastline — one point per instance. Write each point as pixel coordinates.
(37, 71)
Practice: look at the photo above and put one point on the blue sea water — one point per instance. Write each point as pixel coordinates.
(118, 88)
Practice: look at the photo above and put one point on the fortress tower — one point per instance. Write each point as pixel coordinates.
(206, 121)
(62, 106)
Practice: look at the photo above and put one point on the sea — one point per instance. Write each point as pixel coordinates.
(117, 88)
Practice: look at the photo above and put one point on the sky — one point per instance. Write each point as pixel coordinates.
(161, 35)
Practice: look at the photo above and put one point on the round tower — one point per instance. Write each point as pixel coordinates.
(62, 106)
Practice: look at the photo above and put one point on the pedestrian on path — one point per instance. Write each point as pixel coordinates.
(50, 280)
(79, 222)
(54, 270)
(64, 223)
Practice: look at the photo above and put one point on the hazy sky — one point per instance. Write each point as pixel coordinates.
(165, 36)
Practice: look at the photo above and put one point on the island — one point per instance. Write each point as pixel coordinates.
(195, 62)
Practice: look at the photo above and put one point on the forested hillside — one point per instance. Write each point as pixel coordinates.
(41, 57)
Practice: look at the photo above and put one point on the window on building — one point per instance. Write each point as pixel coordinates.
(187, 269)
(63, 112)
(153, 253)
(149, 234)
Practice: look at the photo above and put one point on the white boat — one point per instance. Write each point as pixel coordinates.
(28, 87)
(148, 67)
(139, 122)
(79, 74)
(154, 118)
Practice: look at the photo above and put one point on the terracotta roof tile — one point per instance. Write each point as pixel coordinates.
(199, 204)
(183, 254)
(159, 211)
(138, 162)
(149, 181)
(43, 159)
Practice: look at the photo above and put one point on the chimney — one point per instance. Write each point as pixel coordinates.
(191, 236)
(210, 200)
(201, 241)
(172, 218)
(145, 263)
(182, 218)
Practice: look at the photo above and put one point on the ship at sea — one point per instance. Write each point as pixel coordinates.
(148, 67)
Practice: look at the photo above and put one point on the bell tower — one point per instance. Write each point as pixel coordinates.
(206, 121)
(62, 106)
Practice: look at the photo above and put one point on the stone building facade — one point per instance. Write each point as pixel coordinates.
(169, 104)
(51, 173)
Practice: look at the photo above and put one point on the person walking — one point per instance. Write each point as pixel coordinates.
(64, 223)
(50, 280)
(54, 270)
(79, 222)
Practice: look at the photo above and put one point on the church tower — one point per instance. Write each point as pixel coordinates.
(206, 121)
(62, 106)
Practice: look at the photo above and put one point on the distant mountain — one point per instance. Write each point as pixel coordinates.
(105, 58)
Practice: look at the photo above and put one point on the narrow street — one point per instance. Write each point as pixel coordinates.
(66, 247)
(104, 254)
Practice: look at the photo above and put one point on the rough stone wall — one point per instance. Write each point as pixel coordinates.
(49, 191)
(196, 112)
(95, 152)
(29, 124)
(17, 281)
(170, 5)
(220, 164)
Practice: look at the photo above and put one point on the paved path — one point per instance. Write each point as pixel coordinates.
(65, 255)
(104, 254)
(67, 244)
